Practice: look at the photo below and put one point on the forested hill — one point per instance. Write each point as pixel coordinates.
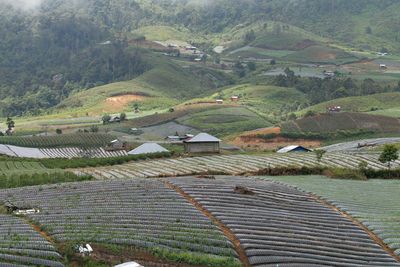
(59, 46)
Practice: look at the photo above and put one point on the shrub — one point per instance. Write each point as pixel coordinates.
(349, 174)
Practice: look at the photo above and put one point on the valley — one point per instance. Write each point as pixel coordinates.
(196, 133)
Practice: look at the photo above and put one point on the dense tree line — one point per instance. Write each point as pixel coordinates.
(45, 58)
(319, 90)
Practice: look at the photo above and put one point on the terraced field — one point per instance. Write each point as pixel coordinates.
(65, 140)
(232, 164)
(141, 213)
(375, 203)
(21, 245)
(225, 221)
(66, 152)
(281, 226)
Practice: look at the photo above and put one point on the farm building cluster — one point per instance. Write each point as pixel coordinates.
(183, 49)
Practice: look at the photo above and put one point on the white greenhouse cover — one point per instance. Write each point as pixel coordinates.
(147, 148)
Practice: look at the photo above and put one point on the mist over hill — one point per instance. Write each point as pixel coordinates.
(51, 48)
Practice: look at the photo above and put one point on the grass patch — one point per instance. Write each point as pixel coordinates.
(378, 102)
(22, 180)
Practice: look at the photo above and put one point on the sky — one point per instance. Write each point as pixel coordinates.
(22, 4)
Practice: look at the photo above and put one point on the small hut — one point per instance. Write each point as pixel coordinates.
(202, 143)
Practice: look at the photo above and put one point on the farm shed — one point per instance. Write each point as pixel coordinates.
(148, 148)
(289, 149)
(115, 145)
(202, 143)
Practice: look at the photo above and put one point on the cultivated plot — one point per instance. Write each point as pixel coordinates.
(140, 213)
(232, 164)
(279, 225)
(21, 245)
(375, 203)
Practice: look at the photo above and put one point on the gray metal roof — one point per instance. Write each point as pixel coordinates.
(148, 148)
(203, 137)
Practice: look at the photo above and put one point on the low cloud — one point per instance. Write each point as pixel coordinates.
(22, 4)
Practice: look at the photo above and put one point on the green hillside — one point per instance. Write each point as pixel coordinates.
(162, 87)
(376, 103)
(225, 121)
(265, 99)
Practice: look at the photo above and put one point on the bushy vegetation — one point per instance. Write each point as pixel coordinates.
(319, 90)
(341, 134)
(56, 141)
(21, 180)
(195, 259)
(96, 162)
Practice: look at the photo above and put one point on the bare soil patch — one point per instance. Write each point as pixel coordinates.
(119, 102)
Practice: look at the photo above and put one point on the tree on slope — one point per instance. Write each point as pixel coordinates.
(389, 154)
(319, 153)
(10, 126)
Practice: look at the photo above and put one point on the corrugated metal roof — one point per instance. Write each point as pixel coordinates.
(203, 137)
(290, 148)
(148, 148)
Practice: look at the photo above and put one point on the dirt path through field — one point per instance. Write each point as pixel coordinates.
(225, 229)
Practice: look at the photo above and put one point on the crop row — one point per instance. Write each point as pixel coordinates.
(280, 226)
(21, 244)
(232, 164)
(375, 203)
(65, 140)
(71, 152)
(141, 213)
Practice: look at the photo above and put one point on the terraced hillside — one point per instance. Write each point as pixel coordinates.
(233, 164)
(140, 213)
(21, 245)
(279, 225)
(202, 222)
(374, 202)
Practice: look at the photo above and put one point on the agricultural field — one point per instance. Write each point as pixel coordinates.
(225, 121)
(232, 165)
(59, 141)
(21, 245)
(140, 213)
(374, 203)
(322, 55)
(196, 221)
(274, 235)
(264, 99)
(344, 121)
